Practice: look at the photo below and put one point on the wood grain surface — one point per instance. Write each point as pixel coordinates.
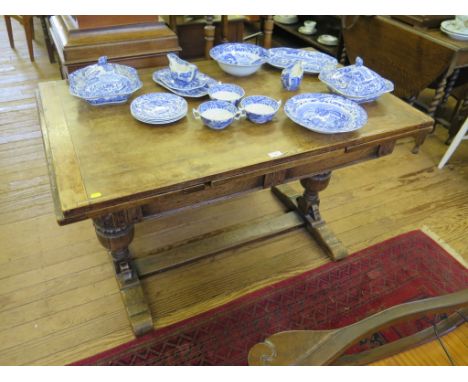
(59, 300)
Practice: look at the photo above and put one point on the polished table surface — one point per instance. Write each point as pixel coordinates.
(107, 166)
(102, 157)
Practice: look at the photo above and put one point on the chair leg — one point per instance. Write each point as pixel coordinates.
(28, 30)
(10, 31)
(453, 146)
(49, 46)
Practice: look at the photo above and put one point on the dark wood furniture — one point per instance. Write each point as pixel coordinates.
(106, 166)
(324, 347)
(28, 24)
(288, 34)
(138, 44)
(413, 58)
(191, 32)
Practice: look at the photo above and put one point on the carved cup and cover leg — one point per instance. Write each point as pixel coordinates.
(115, 232)
(307, 205)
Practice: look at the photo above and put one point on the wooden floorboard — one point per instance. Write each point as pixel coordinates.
(59, 301)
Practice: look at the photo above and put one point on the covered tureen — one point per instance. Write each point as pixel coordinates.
(356, 82)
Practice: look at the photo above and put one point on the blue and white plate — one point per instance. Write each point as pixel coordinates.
(325, 113)
(313, 62)
(194, 93)
(158, 108)
(104, 83)
(165, 76)
(356, 82)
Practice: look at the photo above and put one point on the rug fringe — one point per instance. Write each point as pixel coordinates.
(452, 252)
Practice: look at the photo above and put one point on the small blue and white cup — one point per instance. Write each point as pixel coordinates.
(226, 92)
(259, 109)
(217, 115)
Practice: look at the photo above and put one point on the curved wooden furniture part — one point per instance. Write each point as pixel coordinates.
(323, 347)
(28, 24)
(413, 58)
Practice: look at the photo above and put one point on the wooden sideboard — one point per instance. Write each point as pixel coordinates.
(138, 43)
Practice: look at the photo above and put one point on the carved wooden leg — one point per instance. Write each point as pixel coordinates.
(307, 205)
(450, 84)
(439, 94)
(115, 233)
(268, 26)
(9, 31)
(209, 36)
(418, 141)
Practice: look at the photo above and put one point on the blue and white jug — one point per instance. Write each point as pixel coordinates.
(291, 76)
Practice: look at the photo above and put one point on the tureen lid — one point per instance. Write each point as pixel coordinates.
(104, 79)
(355, 80)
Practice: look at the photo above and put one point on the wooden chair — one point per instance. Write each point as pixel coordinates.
(28, 24)
(325, 347)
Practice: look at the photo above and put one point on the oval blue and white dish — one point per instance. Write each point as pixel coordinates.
(158, 108)
(165, 76)
(259, 109)
(217, 114)
(193, 93)
(325, 113)
(226, 92)
(356, 82)
(104, 83)
(239, 59)
(313, 62)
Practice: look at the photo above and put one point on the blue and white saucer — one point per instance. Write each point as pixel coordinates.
(165, 76)
(313, 62)
(325, 113)
(194, 93)
(158, 108)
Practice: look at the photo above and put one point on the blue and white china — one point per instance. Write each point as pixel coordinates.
(199, 81)
(259, 109)
(239, 59)
(104, 83)
(291, 77)
(217, 114)
(226, 92)
(356, 82)
(325, 113)
(313, 62)
(181, 70)
(194, 93)
(158, 108)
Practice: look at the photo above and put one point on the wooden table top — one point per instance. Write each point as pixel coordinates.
(101, 156)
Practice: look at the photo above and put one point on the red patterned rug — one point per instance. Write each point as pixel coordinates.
(409, 267)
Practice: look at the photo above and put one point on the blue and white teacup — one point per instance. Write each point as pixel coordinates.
(217, 114)
(259, 109)
(181, 70)
(226, 92)
(291, 76)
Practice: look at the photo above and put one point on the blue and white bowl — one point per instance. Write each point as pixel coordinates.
(217, 114)
(239, 59)
(226, 92)
(259, 109)
(104, 83)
